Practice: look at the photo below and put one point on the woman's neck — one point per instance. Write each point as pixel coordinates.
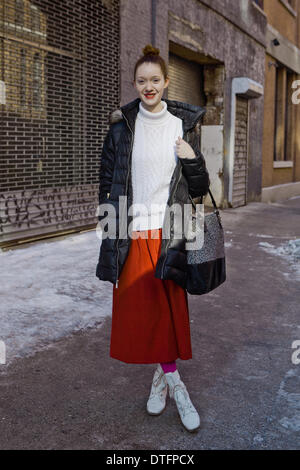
(152, 117)
(154, 109)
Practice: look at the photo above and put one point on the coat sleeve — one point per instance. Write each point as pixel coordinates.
(107, 162)
(194, 169)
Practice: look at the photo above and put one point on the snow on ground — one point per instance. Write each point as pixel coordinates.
(49, 290)
(289, 250)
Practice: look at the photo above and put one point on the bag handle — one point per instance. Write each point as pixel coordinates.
(212, 198)
(216, 211)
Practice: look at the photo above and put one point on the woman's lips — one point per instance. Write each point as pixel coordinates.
(150, 95)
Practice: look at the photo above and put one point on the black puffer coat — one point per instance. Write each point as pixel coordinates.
(190, 179)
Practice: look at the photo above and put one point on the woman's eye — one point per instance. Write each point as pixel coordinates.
(155, 80)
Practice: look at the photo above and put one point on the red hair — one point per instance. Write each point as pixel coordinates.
(151, 54)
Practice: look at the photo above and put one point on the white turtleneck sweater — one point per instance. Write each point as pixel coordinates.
(153, 161)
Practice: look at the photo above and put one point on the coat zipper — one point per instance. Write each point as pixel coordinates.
(185, 136)
(169, 241)
(117, 282)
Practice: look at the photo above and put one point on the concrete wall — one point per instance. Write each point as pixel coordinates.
(220, 31)
(282, 17)
(284, 25)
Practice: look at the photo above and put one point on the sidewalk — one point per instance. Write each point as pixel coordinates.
(72, 395)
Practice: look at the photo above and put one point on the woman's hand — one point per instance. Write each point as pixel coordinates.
(183, 149)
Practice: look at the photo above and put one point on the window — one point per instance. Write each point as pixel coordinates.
(291, 5)
(19, 12)
(23, 78)
(288, 137)
(283, 131)
(37, 81)
(35, 19)
(260, 3)
(278, 129)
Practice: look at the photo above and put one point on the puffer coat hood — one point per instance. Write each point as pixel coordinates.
(189, 180)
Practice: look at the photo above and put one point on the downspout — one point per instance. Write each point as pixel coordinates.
(153, 22)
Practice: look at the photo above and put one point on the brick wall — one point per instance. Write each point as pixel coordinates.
(61, 73)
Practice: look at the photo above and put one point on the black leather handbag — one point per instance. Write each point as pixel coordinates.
(206, 267)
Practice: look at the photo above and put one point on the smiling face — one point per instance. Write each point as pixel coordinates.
(150, 84)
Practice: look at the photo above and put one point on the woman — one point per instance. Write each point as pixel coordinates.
(146, 157)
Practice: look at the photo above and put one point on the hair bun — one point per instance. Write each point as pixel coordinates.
(150, 50)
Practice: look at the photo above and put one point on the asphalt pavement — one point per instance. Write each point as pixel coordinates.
(242, 379)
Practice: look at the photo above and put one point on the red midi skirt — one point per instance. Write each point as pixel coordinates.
(150, 316)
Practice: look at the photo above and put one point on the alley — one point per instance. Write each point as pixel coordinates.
(65, 392)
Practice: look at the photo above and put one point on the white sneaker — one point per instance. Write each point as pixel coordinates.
(158, 395)
(187, 412)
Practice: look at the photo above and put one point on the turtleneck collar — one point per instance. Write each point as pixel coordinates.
(153, 118)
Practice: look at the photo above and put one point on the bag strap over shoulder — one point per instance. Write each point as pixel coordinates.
(216, 211)
(201, 200)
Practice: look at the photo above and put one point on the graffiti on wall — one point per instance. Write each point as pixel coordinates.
(23, 210)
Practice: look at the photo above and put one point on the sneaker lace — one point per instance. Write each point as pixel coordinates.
(187, 407)
(158, 385)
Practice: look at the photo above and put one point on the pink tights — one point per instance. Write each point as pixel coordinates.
(168, 366)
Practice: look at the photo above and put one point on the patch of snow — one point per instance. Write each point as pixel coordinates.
(269, 246)
(291, 325)
(289, 250)
(258, 438)
(289, 402)
(49, 290)
(261, 235)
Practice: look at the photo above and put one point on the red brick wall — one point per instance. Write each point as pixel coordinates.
(61, 72)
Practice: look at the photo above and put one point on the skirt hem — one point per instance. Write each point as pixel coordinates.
(151, 361)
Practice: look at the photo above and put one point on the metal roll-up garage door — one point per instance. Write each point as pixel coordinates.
(186, 81)
(240, 169)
